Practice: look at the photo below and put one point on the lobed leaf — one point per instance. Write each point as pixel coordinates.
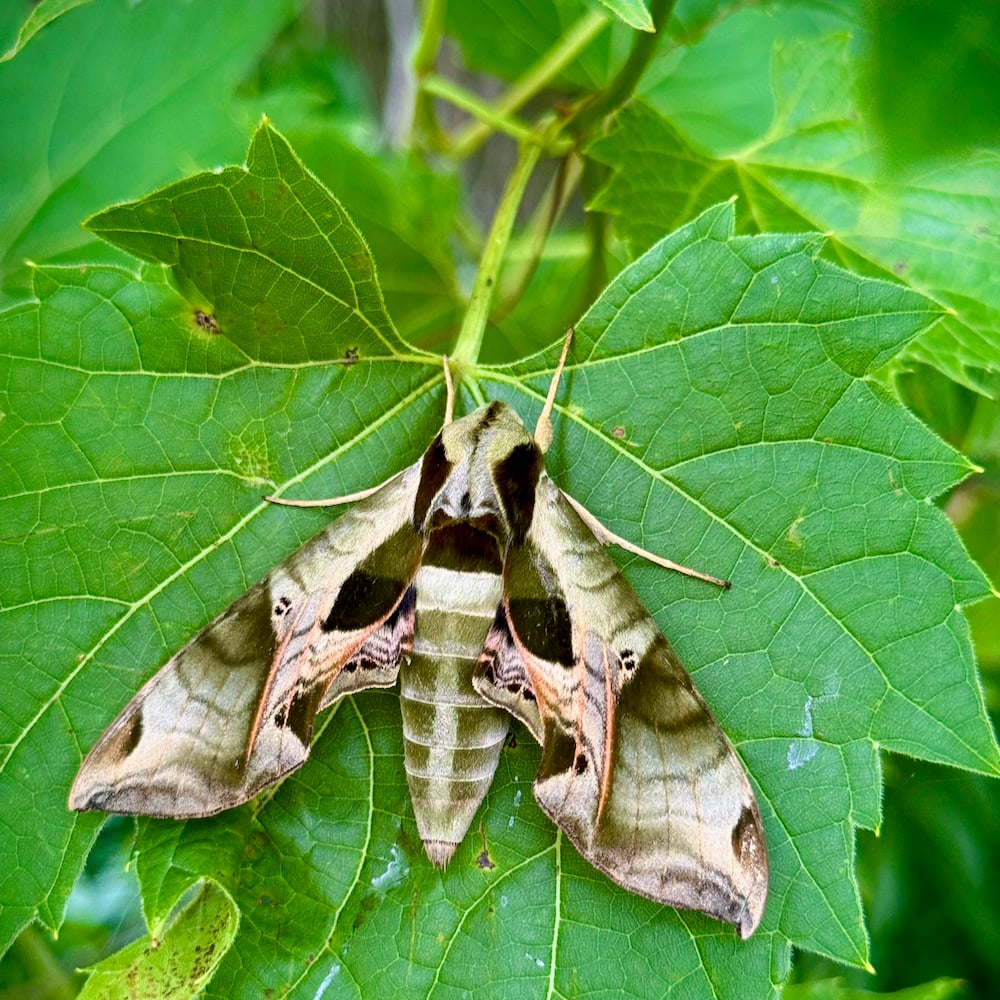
(718, 408)
(796, 147)
(289, 277)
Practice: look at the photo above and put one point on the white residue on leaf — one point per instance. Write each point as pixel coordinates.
(802, 751)
(327, 979)
(395, 871)
(517, 805)
(503, 900)
(540, 962)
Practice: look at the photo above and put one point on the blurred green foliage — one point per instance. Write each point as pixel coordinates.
(873, 123)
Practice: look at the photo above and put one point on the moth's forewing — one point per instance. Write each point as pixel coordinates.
(635, 769)
(233, 710)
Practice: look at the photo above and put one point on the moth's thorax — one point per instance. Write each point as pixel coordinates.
(481, 469)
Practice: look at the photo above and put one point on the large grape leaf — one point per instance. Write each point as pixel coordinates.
(717, 408)
(797, 147)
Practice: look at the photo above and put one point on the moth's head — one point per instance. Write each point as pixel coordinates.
(482, 469)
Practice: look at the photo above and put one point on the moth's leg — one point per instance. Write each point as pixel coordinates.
(543, 429)
(331, 501)
(610, 538)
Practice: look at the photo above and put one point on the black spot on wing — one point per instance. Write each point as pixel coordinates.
(628, 661)
(516, 478)
(536, 607)
(459, 545)
(298, 715)
(543, 626)
(133, 733)
(434, 471)
(362, 600)
(746, 826)
(372, 591)
(383, 650)
(559, 752)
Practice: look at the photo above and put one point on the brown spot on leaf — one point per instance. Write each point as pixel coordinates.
(484, 862)
(351, 356)
(207, 321)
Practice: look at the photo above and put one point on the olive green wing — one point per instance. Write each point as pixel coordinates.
(233, 710)
(635, 769)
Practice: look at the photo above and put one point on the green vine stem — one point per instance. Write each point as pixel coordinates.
(489, 116)
(546, 135)
(620, 89)
(470, 337)
(539, 76)
(424, 57)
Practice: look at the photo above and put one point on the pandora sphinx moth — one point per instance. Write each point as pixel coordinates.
(472, 578)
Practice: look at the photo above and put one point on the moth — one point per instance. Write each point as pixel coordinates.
(473, 579)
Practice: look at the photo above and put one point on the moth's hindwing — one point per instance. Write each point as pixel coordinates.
(233, 710)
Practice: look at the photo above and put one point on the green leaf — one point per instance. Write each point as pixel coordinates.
(796, 148)
(44, 13)
(941, 57)
(176, 963)
(408, 215)
(834, 989)
(122, 407)
(507, 39)
(111, 100)
(281, 268)
(634, 13)
(719, 408)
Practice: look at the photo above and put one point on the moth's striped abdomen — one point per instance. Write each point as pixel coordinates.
(452, 737)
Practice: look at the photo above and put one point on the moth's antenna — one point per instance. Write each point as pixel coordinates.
(543, 429)
(449, 403)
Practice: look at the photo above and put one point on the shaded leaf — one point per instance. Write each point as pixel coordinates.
(633, 12)
(41, 15)
(834, 989)
(176, 963)
(111, 100)
(796, 148)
